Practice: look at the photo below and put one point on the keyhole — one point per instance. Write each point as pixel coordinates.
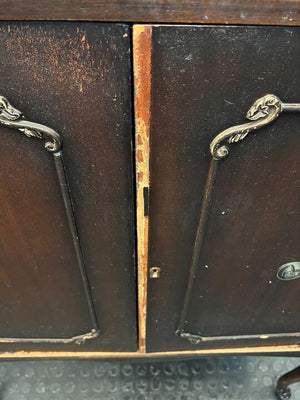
(154, 272)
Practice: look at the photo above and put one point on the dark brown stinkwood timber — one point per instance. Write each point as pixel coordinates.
(74, 78)
(204, 80)
(266, 12)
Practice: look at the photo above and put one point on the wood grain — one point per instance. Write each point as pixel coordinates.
(76, 79)
(204, 79)
(269, 12)
(142, 82)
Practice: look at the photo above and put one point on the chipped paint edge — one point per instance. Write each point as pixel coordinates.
(142, 50)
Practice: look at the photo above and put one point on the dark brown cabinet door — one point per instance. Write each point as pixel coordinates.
(75, 78)
(203, 80)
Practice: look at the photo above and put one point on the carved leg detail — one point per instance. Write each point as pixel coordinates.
(282, 390)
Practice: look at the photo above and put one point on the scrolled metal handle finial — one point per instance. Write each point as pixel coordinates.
(263, 111)
(13, 118)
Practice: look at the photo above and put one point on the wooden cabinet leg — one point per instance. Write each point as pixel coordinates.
(282, 390)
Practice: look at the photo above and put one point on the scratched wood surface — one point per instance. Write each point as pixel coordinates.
(142, 84)
(76, 79)
(204, 79)
(279, 12)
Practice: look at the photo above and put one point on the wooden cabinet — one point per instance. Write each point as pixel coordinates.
(108, 256)
(74, 78)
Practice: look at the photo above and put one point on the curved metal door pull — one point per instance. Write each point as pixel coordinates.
(13, 118)
(263, 111)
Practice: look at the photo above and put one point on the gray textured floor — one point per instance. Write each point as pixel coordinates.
(225, 378)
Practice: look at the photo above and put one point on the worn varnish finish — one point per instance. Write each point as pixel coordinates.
(281, 12)
(139, 355)
(204, 80)
(76, 79)
(142, 83)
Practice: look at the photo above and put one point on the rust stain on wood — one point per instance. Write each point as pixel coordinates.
(142, 82)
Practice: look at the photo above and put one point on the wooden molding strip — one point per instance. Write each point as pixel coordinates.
(254, 12)
(292, 349)
(142, 101)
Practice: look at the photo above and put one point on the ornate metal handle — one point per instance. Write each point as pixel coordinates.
(13, 118)
(264, 111)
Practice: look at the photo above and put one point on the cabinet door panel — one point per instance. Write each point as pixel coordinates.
(75, 78)
(40, 281)
(204, 79)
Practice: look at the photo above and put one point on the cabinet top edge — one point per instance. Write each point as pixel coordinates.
(247, 12)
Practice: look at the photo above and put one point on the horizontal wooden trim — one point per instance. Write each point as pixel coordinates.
(256, 12)
(141, 355)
